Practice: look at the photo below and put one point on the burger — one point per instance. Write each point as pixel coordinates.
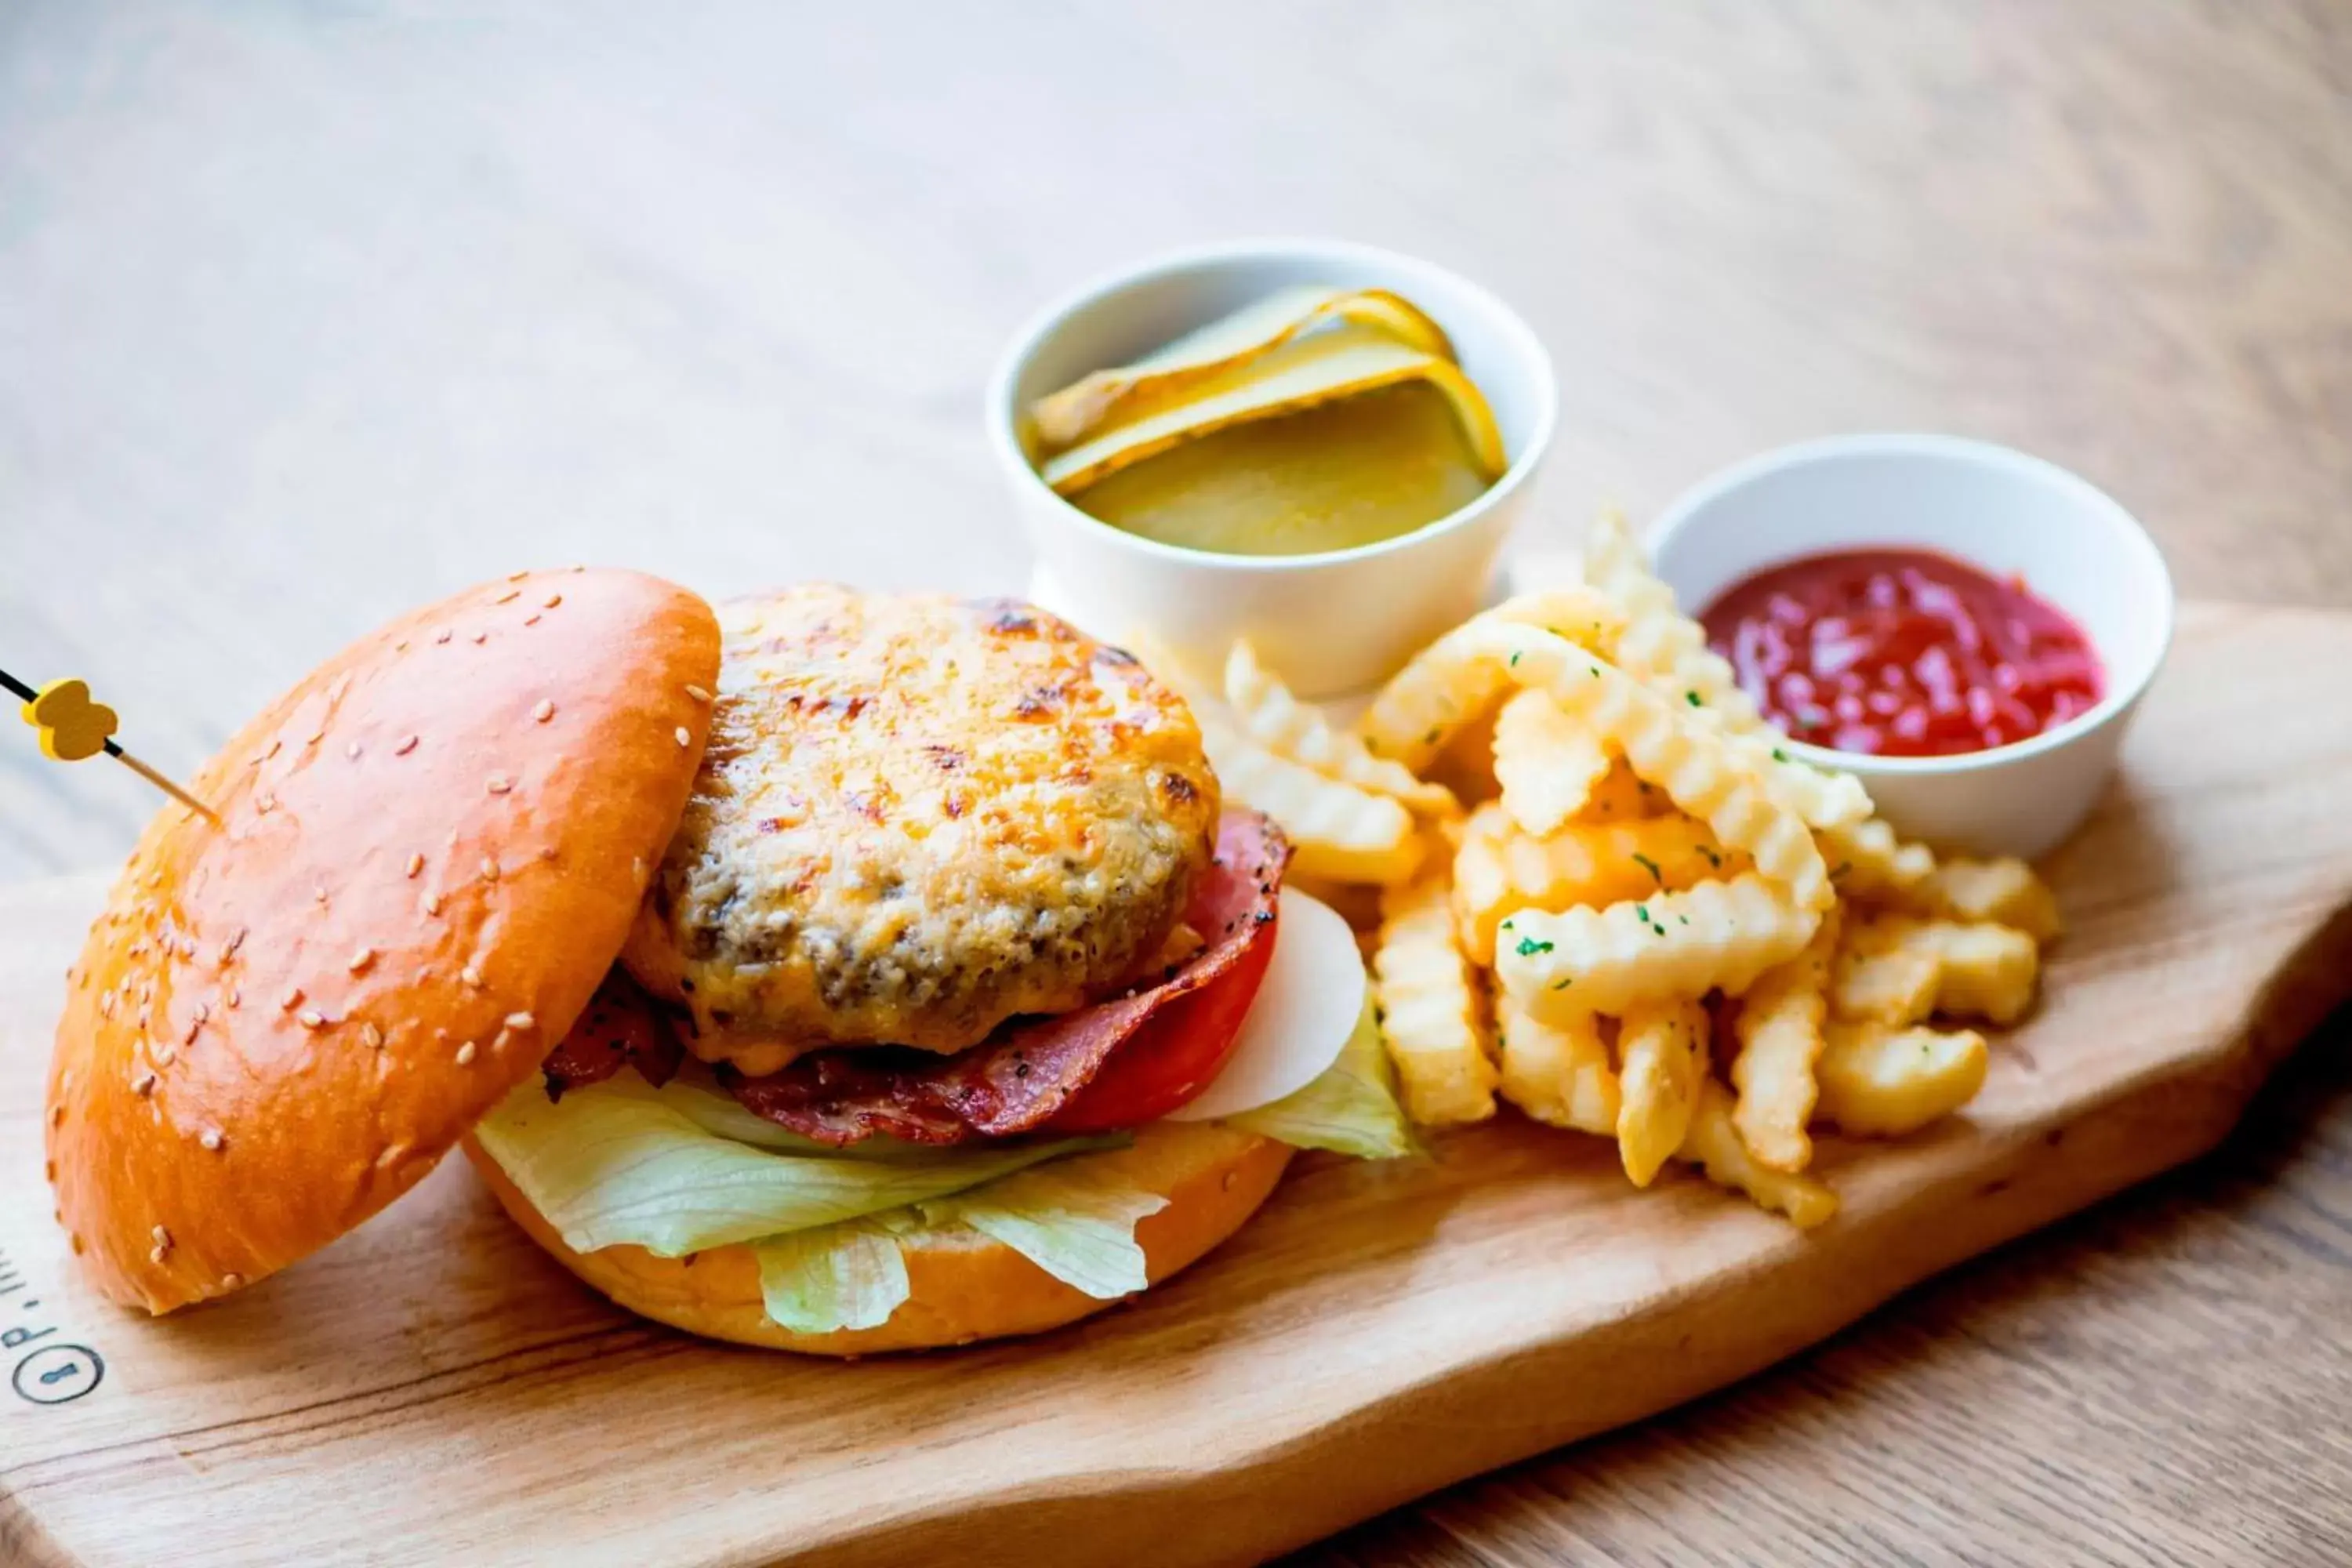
(831, 971)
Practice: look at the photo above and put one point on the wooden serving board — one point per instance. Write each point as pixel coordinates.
(433, 1390)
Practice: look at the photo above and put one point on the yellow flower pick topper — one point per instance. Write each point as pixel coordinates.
(74, 726)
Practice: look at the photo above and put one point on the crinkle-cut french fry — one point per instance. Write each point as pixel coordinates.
(1663, 1046)
(2004, 891)
(1337, 830)
(1430, 1007)
(1668, 748)
(1894, 987)
(1546, 764)
(1779, 1028)
(1558, 1072)
(1713, 1144)
(1659, 642)
(1715, 935)
(1449, 685)
(1499, 871)
(1822, 798)
(1982, 970)
(1269, 714)
(1623, 796)
(1666, 651)
(1882, 1082)
(1868, 862)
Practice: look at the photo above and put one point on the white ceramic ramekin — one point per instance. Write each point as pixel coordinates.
(2006, 512)
(1328, 624)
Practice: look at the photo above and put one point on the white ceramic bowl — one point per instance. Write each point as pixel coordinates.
(1328, 624)
(2005, 511)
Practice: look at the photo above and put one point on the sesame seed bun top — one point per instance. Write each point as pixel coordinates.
(428, 853)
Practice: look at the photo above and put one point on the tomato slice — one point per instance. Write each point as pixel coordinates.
(1177, 1053)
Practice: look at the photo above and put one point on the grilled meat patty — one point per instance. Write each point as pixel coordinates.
(917, 817)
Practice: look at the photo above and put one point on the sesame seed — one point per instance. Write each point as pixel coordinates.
(470, 977)
(431, 903)
(144, 1008)
(189, 1038)
(520, 1021)
(518, 576)
(166, 1055)
(466, 1054)
(481, 637)
(163, 1237)
(499, 783)
(685, 736)
(401, 646)
(229, 949)
(552, 600)
(156, 878)
(508, 597)
(489, 869)
(547, 851)
(57, 1116)
(441, 635)
(545, 712)
(638, 866)
(319, 892)
(531, 619)
(291, 1000)
(143, 1085)
(312, 1018)
(232, 1281)
(156, 1254)
(275, 741)
(265, 801)
(698, 693)
(415, 864)
(212, 1139)
(234, 997)
(408, 745)
(315, 736)
(360, 960)
(353, 751)
(105, 1004)
(372, 1036)
(203, 1012)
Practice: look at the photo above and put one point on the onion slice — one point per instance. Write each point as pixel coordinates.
(1306, 1010)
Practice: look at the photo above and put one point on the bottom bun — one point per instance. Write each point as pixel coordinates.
(962, 1286)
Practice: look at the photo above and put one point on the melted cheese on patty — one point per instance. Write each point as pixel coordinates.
(917, 817)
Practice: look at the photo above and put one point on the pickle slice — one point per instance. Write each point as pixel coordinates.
(1062, 420)
(1301, 373)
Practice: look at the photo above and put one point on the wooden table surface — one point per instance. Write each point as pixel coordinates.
(309, 314)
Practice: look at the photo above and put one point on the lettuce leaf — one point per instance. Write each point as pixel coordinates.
(1351, 1108)
(617, 1163)
(1075, 1219)
(846, 1276)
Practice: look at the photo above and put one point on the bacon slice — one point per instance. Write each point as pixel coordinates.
(1015, 1081)
(621, 1025)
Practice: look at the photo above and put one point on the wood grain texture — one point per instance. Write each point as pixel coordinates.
(311, 314)
(433, 1389)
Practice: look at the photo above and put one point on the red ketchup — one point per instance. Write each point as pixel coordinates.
(1902, 653)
